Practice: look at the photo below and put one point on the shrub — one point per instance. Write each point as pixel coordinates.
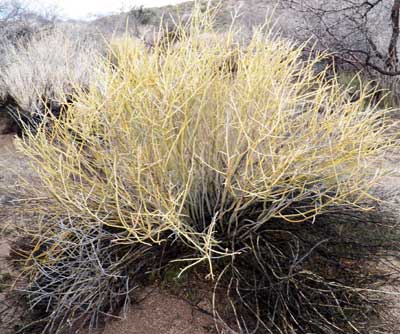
(40, 74)
(238, 159)
(142, 15)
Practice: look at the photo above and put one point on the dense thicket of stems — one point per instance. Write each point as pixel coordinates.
(235, 157)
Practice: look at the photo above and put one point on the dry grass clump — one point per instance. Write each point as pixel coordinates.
(40, 74)
(239, 159)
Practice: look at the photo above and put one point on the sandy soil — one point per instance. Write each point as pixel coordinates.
(11, 164)
(162, 313)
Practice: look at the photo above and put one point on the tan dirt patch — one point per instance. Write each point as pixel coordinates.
(162, 313)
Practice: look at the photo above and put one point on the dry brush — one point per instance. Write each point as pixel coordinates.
(236, 158)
